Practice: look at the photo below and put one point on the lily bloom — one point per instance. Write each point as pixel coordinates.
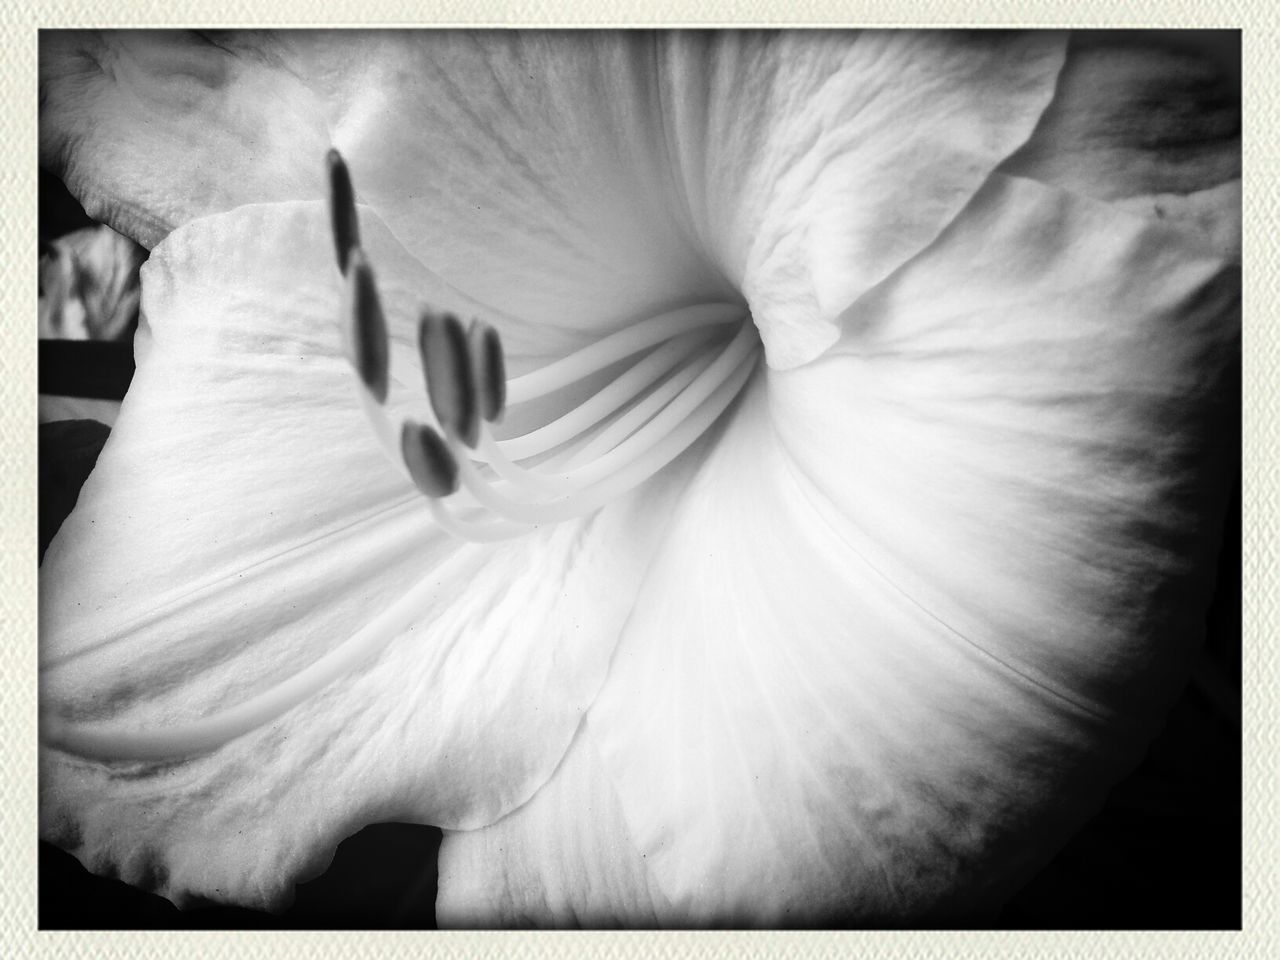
(842, 537)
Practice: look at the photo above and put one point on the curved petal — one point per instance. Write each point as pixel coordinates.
(814, 164)
(521, 166)
(242, 532)
(1149, 120)
(150, 129)
(575, 180)
(527, 168)
(928, 596)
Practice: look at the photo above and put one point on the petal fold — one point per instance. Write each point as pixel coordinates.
(153, 128)
(565, 859)
(1149, 120)
(814, 164)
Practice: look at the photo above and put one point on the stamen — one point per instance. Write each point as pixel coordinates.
(488, 369)
(342, 208)
(534, 483)
(428, 460)
(664, 445)
(640, 414)
(619, 346)
(365, 327)
(742, 346)
(616, 461)
(612, 397)
(673, 443)
(446, 362)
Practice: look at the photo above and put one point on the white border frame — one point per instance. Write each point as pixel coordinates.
(19, 936)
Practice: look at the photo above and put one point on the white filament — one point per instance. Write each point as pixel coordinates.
(583, 485)
(619, 346)
(659, 447)
(617, 394)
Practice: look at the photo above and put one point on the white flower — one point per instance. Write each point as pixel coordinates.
(873, 646)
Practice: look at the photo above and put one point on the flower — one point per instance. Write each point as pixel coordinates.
(870, 648)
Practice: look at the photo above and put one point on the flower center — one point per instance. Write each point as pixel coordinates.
(680, 371)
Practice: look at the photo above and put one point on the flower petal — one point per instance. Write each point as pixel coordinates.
(576, 180)
(565, 859)
(241, 532)
(1149, 120)
(522, 167)
(150, 129)
(816, 163)
(528, 168)
(928, 596)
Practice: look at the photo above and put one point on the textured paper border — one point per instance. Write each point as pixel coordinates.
(19, 937)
